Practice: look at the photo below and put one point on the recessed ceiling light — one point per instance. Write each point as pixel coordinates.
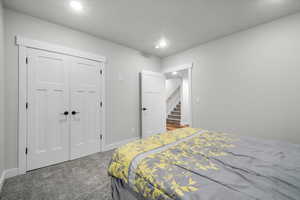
(162, 43)
(174, 73)
(76, 5)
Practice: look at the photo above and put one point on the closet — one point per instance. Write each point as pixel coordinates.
(64, 107)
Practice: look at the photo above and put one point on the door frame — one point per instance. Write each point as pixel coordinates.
(23, 44)
(189, 68)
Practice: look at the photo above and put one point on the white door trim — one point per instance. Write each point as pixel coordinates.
(35, 44)
(188, 67)
(179, 68)
(23, 44)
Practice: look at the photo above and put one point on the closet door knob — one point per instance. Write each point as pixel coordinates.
(65, 113)
(74, 112)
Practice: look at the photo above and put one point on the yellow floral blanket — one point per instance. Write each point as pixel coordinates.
(121, 160)
(139, 172)
(190, 163)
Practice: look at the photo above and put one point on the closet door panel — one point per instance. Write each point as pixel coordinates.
(48, 97)
(85, 107)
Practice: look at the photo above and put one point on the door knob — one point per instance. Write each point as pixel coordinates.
(65, 113)
(144, 109)
(74, 112)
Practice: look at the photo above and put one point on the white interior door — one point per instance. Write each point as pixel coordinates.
(153, 103)
(48, 97)
(86, 107)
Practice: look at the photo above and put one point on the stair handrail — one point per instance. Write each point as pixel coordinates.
(174, 92)
(173, 100)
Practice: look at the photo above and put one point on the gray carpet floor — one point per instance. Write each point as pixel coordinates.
(82, 179)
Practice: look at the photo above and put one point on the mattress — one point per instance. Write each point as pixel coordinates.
(188, 163)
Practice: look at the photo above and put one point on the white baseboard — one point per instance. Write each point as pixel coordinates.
(8, 173)
(118, 144)
(11, 173)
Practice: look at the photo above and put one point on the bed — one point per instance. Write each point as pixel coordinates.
(196, 164)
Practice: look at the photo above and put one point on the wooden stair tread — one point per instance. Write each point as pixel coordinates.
(174, 118)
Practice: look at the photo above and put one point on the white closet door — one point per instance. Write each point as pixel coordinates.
(85, 107)
(153, 103)
(48, 97)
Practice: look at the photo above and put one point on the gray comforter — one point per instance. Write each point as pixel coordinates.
(205, 165)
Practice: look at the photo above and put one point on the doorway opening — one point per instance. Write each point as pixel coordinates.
(178, 102)
(165, 100)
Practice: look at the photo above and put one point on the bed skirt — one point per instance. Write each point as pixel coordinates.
(121, 191)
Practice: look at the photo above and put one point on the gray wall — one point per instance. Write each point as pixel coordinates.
(248, 83)
(1, 92)
(123, 67)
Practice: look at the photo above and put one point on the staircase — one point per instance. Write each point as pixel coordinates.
(173, 120)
